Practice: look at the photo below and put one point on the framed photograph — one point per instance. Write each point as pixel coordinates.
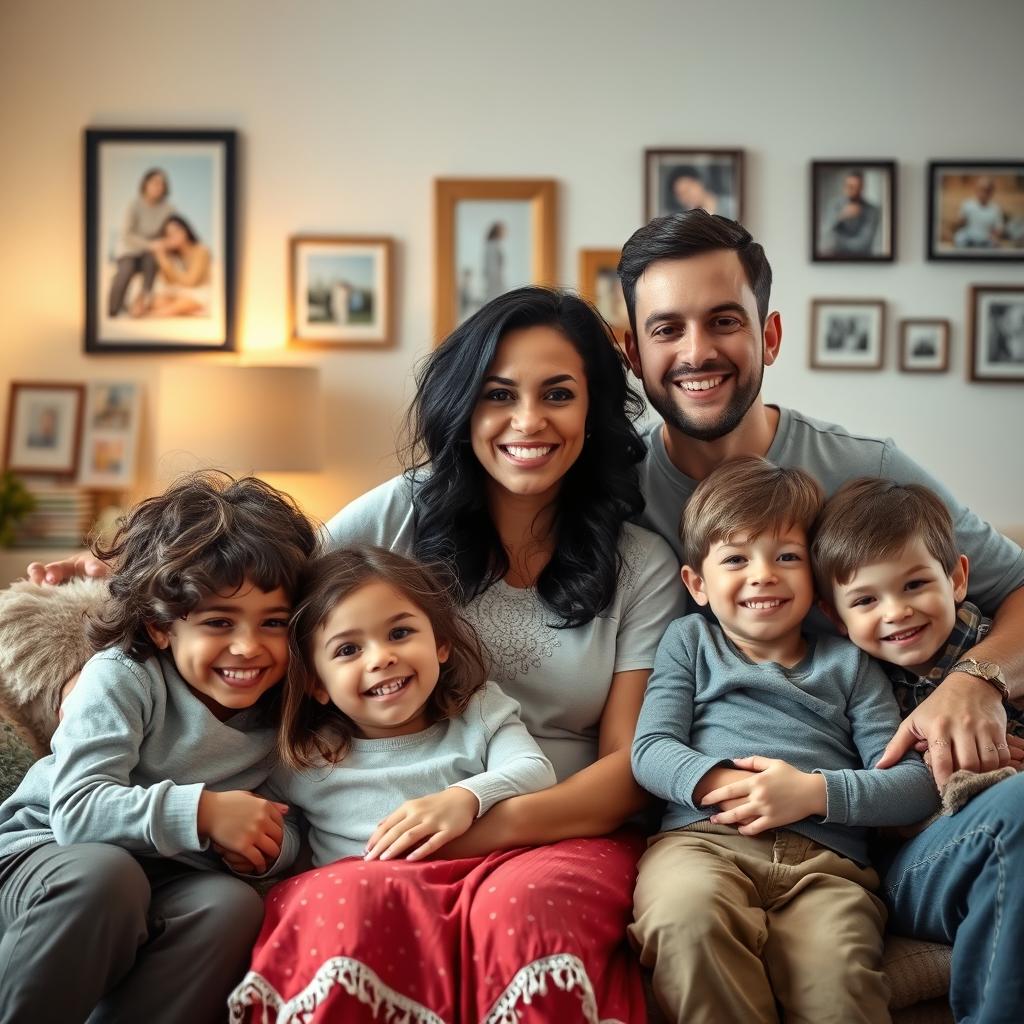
(996, 337)
(976, 210)
(676, 180)
(110, 435)
(341, 291)
(924, 346)
(599, 284)
(492, 235)
(159, 241)
(847, 334)
(44, 427)
(853, 211)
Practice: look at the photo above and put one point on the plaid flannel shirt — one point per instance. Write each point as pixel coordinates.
(969, 629)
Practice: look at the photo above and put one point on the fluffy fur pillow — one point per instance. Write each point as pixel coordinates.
(43, 644)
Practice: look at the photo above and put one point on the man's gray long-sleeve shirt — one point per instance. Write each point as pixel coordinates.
(832, 714)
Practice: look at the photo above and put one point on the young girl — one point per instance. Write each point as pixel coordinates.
(112, 902)
(393, 744)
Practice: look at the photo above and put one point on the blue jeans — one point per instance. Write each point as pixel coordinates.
(961, 881)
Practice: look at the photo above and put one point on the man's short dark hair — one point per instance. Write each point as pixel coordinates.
(681, 235)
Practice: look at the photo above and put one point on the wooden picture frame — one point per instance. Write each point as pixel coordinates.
(491, 235)
(341, 291)
(599, 284)
(924, 345)
(853, 211)
(847, 334)
(44, 428)
(110, 434)
(976, 211)
(676, 180)
(159, 241)
(995, 338)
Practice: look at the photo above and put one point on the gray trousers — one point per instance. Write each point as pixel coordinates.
(88, 932)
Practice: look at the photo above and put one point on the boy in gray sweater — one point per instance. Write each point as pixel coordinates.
(115, 904)
(757, 890)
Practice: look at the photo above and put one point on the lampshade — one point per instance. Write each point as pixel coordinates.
(242, 418)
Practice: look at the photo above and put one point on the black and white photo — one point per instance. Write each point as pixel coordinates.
(847, 334)
(996, 339)
(924, 346)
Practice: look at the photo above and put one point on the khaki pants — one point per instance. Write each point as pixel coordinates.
(731, 924)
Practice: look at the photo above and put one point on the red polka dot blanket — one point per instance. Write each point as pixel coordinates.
(519, 937)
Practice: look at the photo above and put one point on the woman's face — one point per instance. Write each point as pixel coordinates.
(155, 188)
(529, 424)
(174, 235)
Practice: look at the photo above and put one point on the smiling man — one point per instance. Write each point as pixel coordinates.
(697, 288)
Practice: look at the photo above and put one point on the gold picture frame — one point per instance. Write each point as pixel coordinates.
(491, 235)
(341, 291)
(599, 285)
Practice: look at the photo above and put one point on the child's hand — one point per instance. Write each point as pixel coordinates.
(431, 821)
(239, 864)
(778, 794)
(243, 824)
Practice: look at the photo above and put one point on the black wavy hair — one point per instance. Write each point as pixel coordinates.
(598, 494)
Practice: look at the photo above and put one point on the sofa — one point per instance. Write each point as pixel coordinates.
(32, 675)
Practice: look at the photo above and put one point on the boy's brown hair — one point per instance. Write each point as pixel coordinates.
(313, 733)
(747, 495)
(206, 534)
(872, 520)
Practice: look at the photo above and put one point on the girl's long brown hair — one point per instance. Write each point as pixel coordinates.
(313, 733)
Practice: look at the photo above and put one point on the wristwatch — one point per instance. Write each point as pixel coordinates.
(987, 670)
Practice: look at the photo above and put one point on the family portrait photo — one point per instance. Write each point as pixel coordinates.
(853, 210)
(341, 291)
(847, 334)
(492, 235)
(996, 318)
(159, 240)
(976, 211)
(110, 434)
(677, 180)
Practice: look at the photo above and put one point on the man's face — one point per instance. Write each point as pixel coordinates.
(853, 186)
(699, 349)
(985, 188)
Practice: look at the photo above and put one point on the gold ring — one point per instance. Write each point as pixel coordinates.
(1002, 746)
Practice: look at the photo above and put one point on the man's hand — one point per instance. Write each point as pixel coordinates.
(244, 824)
(963, 724)
(426, 824)
(67, 569)
(776, 794)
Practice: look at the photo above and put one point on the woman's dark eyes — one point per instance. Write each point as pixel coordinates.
(504, 395)
(497, 395)
(560, 395)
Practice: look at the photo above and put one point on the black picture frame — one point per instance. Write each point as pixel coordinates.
(953, 233)
(995, 339)
(135, 302)
(868, 237)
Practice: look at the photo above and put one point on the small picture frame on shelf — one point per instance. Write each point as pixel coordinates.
(853, 211)
(677, 180)
(995, 349)
(44, 427)
(924, 346)
(341, 292)
(110, 435)
(847, 334)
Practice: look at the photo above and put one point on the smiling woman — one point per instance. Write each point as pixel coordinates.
(523, 480)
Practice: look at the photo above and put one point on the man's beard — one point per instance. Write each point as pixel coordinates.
(743, 398)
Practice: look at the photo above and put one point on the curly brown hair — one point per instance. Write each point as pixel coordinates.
(312, 733)
(208, 533)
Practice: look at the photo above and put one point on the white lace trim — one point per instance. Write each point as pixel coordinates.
(567, 972)
(354, 977)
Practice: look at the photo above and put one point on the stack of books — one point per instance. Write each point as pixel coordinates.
(62, 517)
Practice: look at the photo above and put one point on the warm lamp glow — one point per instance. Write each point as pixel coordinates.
(242, 418)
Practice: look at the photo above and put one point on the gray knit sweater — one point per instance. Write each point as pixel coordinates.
(832, 714)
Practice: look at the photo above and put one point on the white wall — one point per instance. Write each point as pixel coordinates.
(347, 111)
